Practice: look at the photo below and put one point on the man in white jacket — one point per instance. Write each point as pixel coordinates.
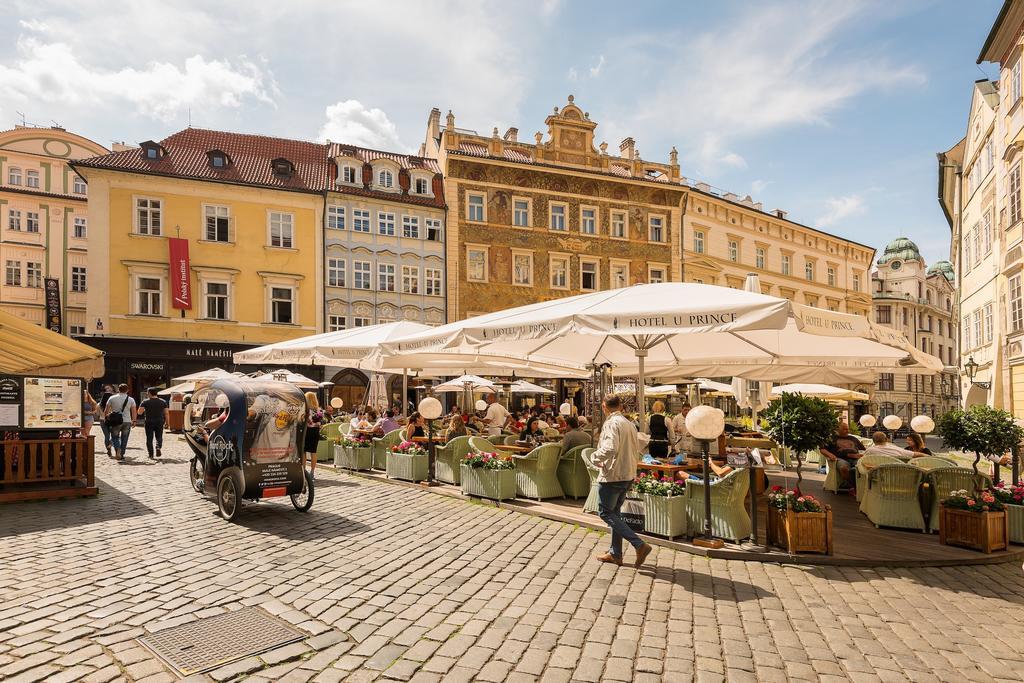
(616, 456)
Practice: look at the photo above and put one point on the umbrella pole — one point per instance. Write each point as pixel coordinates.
(641, 354)
(405, 392)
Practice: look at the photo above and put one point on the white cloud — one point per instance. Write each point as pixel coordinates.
(840, 208)
(352, 122)
(758, 186)
(595, 70)
(53, 73)
(573, 75)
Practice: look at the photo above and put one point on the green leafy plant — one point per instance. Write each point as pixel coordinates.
(979, 501)
(801, 423)
(980, 429)
(652, 485)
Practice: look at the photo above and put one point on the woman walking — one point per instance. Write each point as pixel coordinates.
(90, 410)
(314, 421)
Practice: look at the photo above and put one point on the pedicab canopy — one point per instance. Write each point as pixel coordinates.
(26, 348)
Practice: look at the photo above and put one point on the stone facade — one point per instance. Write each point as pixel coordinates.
(919, 302)
(44, 231)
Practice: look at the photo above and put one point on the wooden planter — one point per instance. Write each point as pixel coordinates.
(492, 484)
(801, 532)
(984, 531)
(665, 515)
(1015, 522)
(349, 458)
(408, 467)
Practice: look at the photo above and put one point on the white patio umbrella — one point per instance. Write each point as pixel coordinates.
(183, 388)
(211, 374)
(821, 391)
(670, 330)
(352, 348)
(523, 387)
(475, 383)
(282, 375)
(714, 388)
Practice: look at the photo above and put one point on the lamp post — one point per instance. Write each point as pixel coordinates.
(706, 424)
(430, 409)
(971, 370)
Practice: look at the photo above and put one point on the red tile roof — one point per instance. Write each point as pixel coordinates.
(366, 155)
(405, 162)
(250, 155)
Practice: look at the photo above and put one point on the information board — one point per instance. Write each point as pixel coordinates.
(51, 403)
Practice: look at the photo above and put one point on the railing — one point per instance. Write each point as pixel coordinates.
(30, 468)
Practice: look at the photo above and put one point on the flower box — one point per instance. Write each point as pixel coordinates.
(488, 483)
(801, 532)
(1015, 523)
(984, 531)
(665, 515)
(413, 468)
(353, 457)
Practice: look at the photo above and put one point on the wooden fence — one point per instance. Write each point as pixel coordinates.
(52, 468)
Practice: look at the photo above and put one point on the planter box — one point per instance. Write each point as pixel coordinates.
(984, 531)
(493, 484)
(665, 515)
(353, 458)
(379, 456)
(801, 532)
(1015, 523)
(408, 467)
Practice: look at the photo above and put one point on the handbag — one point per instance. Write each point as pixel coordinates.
(116, 419)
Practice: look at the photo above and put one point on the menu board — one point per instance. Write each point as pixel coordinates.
(52, 403)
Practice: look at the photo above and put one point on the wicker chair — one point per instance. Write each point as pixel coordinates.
(480, 445)
(329, 434)
(729, 518)
(930, 462)
(592, 498)
(572, 473)
(383, 444)
(862, 470)
(344, 427)
(510, 439)
(942, 481)
(448, 460)
(831, 477)
(537, 473)
(892, 496)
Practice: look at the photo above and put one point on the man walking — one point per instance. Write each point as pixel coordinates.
(616, 456)
(119, 417)
(154, 411)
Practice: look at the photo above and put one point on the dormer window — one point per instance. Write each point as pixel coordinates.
(218, 159)
(349, 175)
(422, 186)
(282, 167)
(386, 179)
(152, 150)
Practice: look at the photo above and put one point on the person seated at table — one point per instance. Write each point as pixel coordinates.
(660, 429)
(416, 426)
(532, 431)
(915, 443)
(882, 446)
(561, 425)
(456, 428)
(358, 415)
(388, 423)
(574, 436)
(844, 451)
(715, 471)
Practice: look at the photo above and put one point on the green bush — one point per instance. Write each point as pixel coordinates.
(981, 430)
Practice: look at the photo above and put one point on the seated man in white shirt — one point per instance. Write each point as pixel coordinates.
(882, 446)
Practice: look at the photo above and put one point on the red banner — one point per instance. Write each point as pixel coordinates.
(181, 284)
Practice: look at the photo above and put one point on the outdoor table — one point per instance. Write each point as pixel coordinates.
(670, 470)
(437, 438)
(511, 448)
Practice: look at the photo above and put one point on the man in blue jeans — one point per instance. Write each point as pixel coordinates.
(616, 456)
(123, 404)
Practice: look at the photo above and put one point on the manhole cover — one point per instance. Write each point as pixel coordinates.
(212, 642)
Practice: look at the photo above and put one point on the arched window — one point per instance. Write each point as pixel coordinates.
(385, 178)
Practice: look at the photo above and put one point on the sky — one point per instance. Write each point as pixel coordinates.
(833, 111)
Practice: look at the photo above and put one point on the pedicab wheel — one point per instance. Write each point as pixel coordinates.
(229, 495)
(304, 500)
(197, 474)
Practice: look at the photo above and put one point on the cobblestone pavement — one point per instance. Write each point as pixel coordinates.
(400, 584)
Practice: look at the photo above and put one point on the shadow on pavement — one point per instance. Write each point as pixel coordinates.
(110, 504)
(280, 519)
(718, 588)
(996, 578)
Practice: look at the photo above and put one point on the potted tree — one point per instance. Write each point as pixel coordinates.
(488, 475)
(973, 520)
(408, 461)
(664, 505)
(800, 423)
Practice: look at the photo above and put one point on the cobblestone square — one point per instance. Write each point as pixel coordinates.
(395, 583)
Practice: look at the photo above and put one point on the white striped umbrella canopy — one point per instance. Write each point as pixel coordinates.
(524, 387)
(821, 391)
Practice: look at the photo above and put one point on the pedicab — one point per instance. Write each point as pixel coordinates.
(247, 440)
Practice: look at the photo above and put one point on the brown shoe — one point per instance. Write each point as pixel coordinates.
(610, 559)
(641, 554)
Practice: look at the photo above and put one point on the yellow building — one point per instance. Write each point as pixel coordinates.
(247, 208)
(43, 225)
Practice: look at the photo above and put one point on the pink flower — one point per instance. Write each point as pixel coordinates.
(970, 502)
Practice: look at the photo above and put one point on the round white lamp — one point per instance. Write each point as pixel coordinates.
(892, 422)
(337, 402)
(867, 421)
(705, 424)
(480, 404)
(922, 424)
(430, 408)
(565, 410)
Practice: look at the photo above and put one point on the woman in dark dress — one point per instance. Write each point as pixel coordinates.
(415, 426)
(659, 428)
(314, 421)
(915, 443)
(532, 431)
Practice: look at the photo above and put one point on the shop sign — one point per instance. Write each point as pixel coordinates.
(51, 289)
(146, 366)
(181, 284)
(10, 402)
(212, 353)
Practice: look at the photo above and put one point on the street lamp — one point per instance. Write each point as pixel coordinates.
(971, 370)
(706, 424)
(430, 409)
(892, 423)
(867, 421)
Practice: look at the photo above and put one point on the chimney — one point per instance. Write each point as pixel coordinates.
(450, 120)
(628, 148)
(731, 197)
(779, 213)
(512, 135)
(759, 206)
(120, 147)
